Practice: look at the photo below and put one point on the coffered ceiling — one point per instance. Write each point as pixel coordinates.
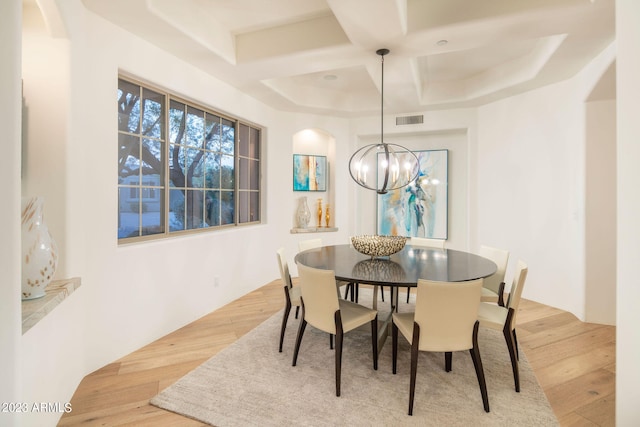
(319, 56)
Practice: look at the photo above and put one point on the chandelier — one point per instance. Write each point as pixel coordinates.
(383, 167)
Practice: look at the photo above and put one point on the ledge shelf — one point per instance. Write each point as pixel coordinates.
(314, 230)
(34, 310)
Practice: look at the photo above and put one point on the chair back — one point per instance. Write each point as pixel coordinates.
(284, 268)
(501, 258)
(427, 243)
(319, 297)
(303, 245)
(446, 313)
(516, 290)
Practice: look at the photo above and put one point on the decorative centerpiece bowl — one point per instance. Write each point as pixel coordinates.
(378, 246)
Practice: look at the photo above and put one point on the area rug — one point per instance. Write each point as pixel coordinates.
(251, 384)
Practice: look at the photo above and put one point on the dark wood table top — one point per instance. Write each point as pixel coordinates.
(401, 269)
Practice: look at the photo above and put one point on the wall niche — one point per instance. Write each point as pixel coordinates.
(321, 145)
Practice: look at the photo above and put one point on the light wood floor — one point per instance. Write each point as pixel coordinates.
(573, 361)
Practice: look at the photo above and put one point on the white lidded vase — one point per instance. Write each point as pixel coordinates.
(303, 214)
(39, 250)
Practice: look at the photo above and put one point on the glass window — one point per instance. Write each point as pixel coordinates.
(207, 174)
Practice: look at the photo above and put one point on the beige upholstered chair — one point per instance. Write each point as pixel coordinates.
(493, 286)
(291, 293)
(445, 320)
(504, 318)
(424, 243)
(303, 245)
(322, 309)
(429, 243)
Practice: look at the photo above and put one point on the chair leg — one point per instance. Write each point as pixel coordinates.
(374, 342)
(339, 340)
(287, 309)
(414, 365)
(510, 339)
(331, 341)
(394, 348)
(382, 292)
(501, 294)
(303, 325)
(348, 288)
(447, 361)
(357, 291)
(477, 364)
(297, 311)
(408, 294)
(515, 341)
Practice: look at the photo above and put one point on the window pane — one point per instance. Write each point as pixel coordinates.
(176, 166)
(243, 174)
(249, 206)
(128, 106)
(213, 129)
(254, 174)
(213, 208)
(227, 137)
(254, 206)
(128, 162)
(194, 168)
(176, 122)
(226, 172)
(195, 209)
(254, 143)
(227, 207)
(243, 140)
(153, 114)
(176, 210)
(212, 170)
(195, 127)
(128, 214)
(153, 165)
(152, 206)
(243, 206)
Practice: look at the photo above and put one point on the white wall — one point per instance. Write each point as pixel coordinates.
(628, 150)
(530, 193)
(600, 212)
(10, 119)
(531, 185)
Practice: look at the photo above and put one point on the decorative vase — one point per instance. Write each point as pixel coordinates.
(319, 212)
(303, 215)
(39, 250)
(328, 216)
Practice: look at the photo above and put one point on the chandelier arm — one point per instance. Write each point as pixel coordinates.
(383, 190)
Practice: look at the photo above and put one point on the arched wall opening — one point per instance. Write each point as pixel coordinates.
(316, 142)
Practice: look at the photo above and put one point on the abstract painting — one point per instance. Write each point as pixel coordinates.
(309, 173)
(421, 208)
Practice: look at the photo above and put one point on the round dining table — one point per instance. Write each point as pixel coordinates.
(402, 269)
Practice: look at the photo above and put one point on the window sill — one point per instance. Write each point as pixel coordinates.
(314, 230)
(35, 310)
